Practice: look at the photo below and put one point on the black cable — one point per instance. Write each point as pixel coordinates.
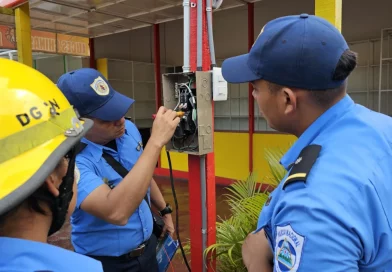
(176, 205)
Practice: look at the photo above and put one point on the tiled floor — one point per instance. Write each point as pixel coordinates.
(62, 238)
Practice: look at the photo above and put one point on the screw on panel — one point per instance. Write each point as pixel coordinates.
(204, 83)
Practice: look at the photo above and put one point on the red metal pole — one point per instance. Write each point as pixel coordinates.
(194, 162)
(195, 218)
(158, 75)
(251, 99)
(210, 158)
(92, 53)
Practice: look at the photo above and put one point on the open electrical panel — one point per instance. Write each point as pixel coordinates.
(190, 94)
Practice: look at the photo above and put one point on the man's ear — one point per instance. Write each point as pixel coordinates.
(51, 185)
(290, 100)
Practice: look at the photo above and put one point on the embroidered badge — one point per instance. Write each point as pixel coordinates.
(288, 249)
(100, 86)
(76, 174)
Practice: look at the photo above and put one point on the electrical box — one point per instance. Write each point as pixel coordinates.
(191, 95)
(219, 85)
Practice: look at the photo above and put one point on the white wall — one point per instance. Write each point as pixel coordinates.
(362, 20)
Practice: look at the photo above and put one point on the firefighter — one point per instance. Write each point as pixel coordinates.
(38, 140)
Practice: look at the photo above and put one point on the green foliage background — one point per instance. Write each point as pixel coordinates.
(245, 200)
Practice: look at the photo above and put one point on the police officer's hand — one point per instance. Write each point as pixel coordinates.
(256, 252)
(169, 226)
(164, 125)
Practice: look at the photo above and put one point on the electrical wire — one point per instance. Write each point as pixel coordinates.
(176, 205)
(185, 147)
(189, 89)
(183, 88)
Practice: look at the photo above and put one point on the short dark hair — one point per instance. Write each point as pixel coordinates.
(33, 202)
(346, 64)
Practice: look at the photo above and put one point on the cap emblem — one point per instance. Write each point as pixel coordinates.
(100, 86)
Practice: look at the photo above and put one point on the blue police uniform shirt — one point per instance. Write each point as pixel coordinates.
(340, 218)
(92, 235)
(25, 255)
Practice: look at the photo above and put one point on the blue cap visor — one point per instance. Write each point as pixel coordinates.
(236, 70)
(114, 109)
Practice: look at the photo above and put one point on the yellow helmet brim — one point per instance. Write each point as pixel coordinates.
(25, 173)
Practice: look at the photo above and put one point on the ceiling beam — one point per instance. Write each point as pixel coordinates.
(80, 13)
(175, 18)
(152, 11)
(119, 18)
(96, 10)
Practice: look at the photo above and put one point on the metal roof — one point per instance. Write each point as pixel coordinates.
(91, 18)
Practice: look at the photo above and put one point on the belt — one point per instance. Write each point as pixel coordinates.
(137, 252)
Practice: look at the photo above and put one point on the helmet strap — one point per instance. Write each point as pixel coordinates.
(61, 202)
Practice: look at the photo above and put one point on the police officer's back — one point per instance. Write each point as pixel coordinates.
(37, 161)
(332, 211)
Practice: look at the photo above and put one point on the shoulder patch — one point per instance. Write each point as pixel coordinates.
(303, 164)
(288, 249)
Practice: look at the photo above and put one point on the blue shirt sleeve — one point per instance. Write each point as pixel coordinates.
(88, 180)
(313, 232)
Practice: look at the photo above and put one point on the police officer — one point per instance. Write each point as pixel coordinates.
(37, 162)
(113, 221)
(333, 210)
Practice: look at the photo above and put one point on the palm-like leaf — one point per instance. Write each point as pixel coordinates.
(245, 201)
(273, 157)
(241, 190)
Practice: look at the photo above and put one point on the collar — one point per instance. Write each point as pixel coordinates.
(96, 150)
(316, 128)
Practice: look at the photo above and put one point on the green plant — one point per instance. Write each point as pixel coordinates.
(273, 156)
(245, 200)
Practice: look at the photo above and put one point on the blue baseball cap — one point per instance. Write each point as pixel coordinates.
(299, 51)
(92, 95)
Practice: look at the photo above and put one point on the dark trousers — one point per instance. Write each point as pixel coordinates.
(147, 262)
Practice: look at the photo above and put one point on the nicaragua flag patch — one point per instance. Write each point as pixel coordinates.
(288, 249)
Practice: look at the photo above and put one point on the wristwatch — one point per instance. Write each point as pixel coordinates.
(166, 210)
